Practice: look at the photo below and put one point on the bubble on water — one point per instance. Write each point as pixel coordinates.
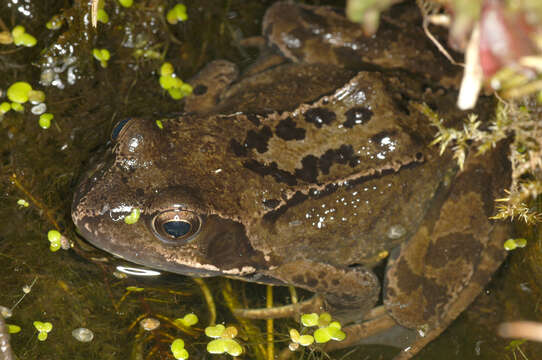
(149, 324)
(39, 109)
(83, 334)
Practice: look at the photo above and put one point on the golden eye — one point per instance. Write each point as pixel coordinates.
(176, 226)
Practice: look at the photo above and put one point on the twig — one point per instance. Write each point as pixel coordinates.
(269, 322)
(208, 299)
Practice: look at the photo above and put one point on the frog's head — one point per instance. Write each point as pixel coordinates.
(151, 170)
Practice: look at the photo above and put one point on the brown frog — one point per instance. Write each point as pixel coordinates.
(310, 172)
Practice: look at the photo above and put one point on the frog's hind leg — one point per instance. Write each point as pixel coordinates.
(450, 259)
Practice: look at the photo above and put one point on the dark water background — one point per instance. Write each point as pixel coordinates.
(76, 288)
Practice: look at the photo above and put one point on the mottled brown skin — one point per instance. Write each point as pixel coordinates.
(308, 173)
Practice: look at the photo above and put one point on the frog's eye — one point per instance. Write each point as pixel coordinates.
(175, 226)
(117, 129)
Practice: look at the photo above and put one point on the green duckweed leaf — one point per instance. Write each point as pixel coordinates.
(215, 331)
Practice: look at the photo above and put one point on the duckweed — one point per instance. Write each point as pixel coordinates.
(55, 240)
(309, 319)
(53, 235)
(178, 350)
(188, 320)
(176, 88)
(221, 346)
(18, 92)
(178, 93)
(327, 330)
(331, 332)
(512, 244)
(133, 217)
(102, 16)
(36, 96)
(5, 107)
(167, 82)
(55, 23)
(55, 246)
(303, 340)
(176, 14)
(21, 37)
(23, 203)
(15, 106)
(45, 120)
(43, 328)
(17, 31)
(126, 3)
(223, 342)
(102, 55)
(13, 329)
(215, 331)
(166, 69)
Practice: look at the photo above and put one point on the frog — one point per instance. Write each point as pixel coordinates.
(314, 170)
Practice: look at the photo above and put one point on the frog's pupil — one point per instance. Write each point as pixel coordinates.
(176, 228)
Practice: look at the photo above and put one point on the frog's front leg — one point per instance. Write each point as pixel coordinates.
(348, 292)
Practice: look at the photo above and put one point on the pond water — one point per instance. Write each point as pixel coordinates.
(76, 288)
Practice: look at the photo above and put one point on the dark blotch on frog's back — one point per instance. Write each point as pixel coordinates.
(271, 203)
(309, 171)
(320, 116)
(255, 139)
(342, 155)
(271, 169)
(287, 129)
(357, 116)
(253, 118)
(313, 166)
